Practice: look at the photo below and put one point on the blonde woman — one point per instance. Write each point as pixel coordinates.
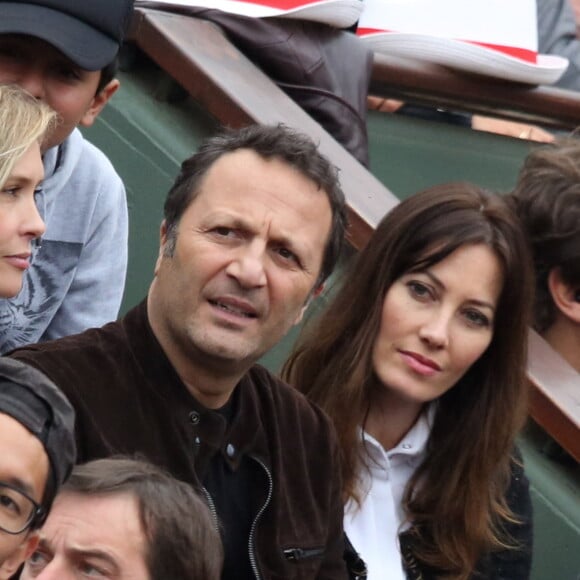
(23, 124)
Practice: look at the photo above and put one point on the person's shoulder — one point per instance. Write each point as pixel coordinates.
(288, 405)
(66, 360)
(86, 159)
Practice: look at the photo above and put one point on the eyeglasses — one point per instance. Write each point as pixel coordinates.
(17, 509)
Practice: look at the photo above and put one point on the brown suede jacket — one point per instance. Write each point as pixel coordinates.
(129, 399)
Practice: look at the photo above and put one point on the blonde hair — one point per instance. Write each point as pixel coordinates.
(23, 120)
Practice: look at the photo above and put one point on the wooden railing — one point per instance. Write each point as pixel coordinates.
(427, 84)
(224, 82)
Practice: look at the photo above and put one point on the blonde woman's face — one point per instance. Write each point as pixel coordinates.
(436, 323)
(20, 222)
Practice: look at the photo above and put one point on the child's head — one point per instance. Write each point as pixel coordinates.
(64, 52)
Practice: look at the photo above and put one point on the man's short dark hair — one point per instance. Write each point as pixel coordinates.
(181, 537)
(547, 200)
(269, 142)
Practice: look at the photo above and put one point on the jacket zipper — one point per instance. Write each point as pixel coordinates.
(251, 546)
(296, 554)
(212, 509)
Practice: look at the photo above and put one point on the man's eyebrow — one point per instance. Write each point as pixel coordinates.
(238, 222)
(84, 553)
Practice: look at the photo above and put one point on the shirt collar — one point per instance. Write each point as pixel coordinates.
(412, 444)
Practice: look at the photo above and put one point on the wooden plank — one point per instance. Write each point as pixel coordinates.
(198, 56)
(433, 85)
(555, 396)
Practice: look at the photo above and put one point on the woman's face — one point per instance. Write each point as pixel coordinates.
(436, 323)
(20, 221)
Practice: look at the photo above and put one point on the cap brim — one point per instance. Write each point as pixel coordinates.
(337, 13)
(468, 57)
(85, 46)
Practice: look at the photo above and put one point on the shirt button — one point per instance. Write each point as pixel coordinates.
(407, 446)
(194, 418)
(230, 450)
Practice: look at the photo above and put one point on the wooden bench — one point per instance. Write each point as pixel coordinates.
(199, 57)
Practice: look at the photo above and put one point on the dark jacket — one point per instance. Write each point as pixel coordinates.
(130, 400)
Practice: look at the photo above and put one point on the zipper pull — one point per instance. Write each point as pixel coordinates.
(295, 554)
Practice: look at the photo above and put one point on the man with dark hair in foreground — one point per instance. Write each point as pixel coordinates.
(253, 226)
(126, 519)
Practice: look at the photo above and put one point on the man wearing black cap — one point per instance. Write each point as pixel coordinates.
(64, 52)
(37, 453)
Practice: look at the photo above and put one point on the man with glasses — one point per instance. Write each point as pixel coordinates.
(37, 453)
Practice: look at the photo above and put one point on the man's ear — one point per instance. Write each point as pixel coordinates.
(11, 564)
(566, 297)
(98, 102)
(313, 294)
(162, 244)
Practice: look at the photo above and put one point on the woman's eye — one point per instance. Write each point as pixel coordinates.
(419, 290)
(477, 318)
(11, 191)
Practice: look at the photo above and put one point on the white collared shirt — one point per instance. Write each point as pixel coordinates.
(374, 528)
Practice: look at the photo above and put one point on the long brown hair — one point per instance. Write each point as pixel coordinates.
(457, 510)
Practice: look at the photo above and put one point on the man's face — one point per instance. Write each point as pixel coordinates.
(248, 252)
(47, 74)
(90, 537)
(24, 465)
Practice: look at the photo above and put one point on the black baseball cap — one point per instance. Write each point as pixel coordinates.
(31, 398)
(89, 32)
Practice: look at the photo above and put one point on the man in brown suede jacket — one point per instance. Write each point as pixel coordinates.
(253, 226)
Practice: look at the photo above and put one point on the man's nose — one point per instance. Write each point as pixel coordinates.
(248, 267)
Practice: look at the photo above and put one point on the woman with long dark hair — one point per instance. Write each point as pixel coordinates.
(420, 362)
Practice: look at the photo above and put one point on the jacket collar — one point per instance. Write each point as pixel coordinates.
(245, 432)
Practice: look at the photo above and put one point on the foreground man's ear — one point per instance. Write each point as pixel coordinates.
(162, 242)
